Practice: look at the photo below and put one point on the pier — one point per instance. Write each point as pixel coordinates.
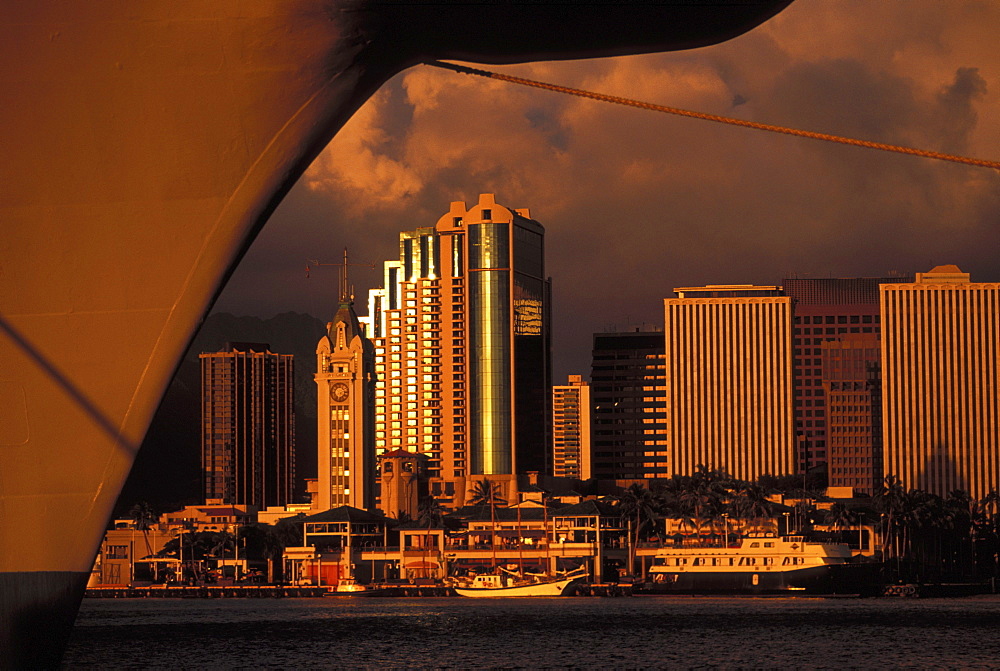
(205, 592)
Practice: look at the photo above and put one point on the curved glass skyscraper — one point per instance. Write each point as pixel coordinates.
(461, 332)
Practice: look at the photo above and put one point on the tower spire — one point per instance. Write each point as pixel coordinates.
(344, 287)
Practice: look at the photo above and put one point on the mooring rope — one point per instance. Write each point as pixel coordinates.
(715, 117)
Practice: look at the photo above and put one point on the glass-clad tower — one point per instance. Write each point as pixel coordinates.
(461, 333)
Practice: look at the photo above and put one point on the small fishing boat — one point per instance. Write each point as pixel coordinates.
(349, 587)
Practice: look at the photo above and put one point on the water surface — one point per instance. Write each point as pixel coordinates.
(530, 633)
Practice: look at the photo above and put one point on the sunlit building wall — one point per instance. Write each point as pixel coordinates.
(941, 363)
(345, 396)
(571, 429)
(627, 396)
(248, 425)
(461, 335)
(729, 380)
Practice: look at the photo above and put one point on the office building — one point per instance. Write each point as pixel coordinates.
(627, 392)
(461, 335)
(248, 419)
(345, 412)
(571, 429)
(824, 310)
(852, 386)
(940, 386)
(729, 380)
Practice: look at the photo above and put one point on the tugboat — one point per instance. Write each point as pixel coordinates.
(762, 564)
(507, 583)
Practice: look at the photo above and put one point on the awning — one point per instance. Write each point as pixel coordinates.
(421, 564)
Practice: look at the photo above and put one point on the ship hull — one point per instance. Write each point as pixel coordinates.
(860, 579)
(145, 144)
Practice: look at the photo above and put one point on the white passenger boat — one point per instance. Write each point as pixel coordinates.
(506, 583)
(762, 563)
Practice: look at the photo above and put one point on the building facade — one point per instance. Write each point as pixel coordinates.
(248, 426)
(345, 412)
(571, 429)
(729, 380)
(627, 390)
(461, 335)
(825, 310)
(941, 382)
(852, 386)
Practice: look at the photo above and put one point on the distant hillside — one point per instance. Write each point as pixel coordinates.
(167, 472)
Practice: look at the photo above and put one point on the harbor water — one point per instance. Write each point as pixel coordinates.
(647, 631)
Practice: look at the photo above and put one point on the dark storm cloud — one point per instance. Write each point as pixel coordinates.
(636, 203)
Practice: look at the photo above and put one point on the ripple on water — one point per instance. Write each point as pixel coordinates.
(567, 632)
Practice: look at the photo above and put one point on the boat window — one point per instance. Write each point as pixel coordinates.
(755, 545)
(786, 561)
(769, 545)
(768, 561)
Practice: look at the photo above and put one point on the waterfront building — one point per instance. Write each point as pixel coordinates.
(825, 310)
(729, 380)
(345, 411)
(941, 392)
(461, 335)
(571, 429)
(627, 391)
(402, 479)
(852, 391)
(248, 425)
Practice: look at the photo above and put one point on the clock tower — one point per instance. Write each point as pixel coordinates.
(345, 384)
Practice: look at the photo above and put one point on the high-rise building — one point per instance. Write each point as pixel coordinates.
(571, 429)
(461, 335)
(852, 386)
(248, 420)
(941, 382)
(729, 380)
(345, 412)
(824, 310)
(627, 390)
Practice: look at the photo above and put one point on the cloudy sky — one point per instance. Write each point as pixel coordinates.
(636, 203)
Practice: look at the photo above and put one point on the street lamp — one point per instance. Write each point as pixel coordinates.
(787, 532)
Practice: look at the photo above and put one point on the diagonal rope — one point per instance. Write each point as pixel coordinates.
(716, 118)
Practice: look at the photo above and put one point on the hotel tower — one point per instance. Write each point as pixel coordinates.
(247, 425)
(941, 371)
(729, 380)
(571, 429)
(461, 335)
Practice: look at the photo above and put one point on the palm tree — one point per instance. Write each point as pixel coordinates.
(143, 518)
(705, 494)
(638, 507)
(487, 492)
(839, 517)
(430, 514)
(751, 503)
(890, 501)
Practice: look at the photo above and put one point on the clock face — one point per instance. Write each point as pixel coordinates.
(340, 391)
